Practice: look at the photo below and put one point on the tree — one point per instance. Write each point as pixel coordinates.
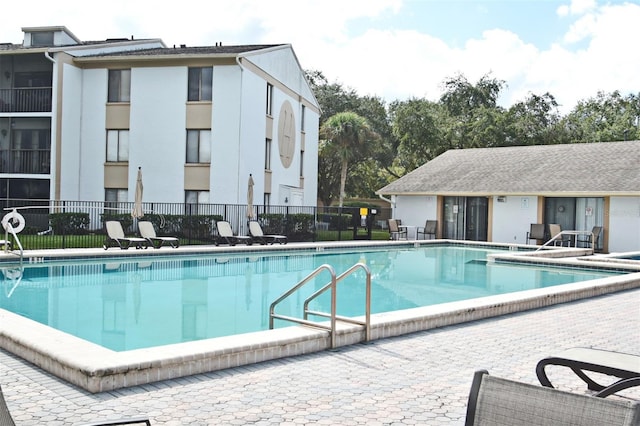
(534, 121)
(346, 136)
(607, 117)
(461, 98)
(416, 125)
(474, 119)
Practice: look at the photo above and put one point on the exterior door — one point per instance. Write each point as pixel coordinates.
(476, 220)
(465, 218)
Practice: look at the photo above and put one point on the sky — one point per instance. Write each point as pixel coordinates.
(394, 49)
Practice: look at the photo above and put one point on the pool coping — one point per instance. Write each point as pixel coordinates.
(97, 369)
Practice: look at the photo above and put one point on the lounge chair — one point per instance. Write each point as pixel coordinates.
(395, 232)
(116, 238)
(148, 232)
(495, 401)
(625, 367)
(7, 420)
(256, 233)
(536, 232)
(430, 227)
(225, 234)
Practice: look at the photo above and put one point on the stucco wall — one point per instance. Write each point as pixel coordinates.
(513, 217)
(157, 135)
(415, 210)
(624, 224)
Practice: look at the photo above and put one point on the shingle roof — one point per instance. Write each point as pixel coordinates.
(595, 168)
(202, 50)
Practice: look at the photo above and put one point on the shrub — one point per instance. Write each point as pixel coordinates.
(69, 223)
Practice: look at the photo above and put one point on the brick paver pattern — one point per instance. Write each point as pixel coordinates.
(418, 379)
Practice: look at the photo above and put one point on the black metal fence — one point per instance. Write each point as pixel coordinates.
(50, 224)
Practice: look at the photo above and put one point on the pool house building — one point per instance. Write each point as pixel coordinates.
(78, 118)
(495, 194)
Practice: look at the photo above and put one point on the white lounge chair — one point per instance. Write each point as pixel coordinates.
(225, 234)
(256, 232)
(148, 231)
(116, 238)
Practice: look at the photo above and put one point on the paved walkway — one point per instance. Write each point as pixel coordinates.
(420, 379)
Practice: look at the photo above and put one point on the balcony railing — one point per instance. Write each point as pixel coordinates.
(33, 161)
(26, 99)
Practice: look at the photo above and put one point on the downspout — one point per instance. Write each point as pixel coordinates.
(55, 166)
(238, 61)
(391, 201)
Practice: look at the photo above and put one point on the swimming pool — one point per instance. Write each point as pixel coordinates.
(118, 304)
(125, 304)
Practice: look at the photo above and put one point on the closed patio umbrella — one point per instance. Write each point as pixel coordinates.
(137, 212)
(250, 198)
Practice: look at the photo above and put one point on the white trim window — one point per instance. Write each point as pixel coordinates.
(269, 99)
(199, 146)
(115, 198)
(119, 86)
(200, 84)
(267, 154)
(196, 201)
(117, 146)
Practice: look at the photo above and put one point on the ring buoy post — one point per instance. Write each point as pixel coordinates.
(13, 221)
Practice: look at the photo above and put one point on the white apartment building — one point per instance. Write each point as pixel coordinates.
(78, 118)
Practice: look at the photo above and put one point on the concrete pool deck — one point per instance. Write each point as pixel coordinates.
(421, 378)
(97, 369)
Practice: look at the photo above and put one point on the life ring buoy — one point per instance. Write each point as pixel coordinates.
(12, 274)
(10, 219)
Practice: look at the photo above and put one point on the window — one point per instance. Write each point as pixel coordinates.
(195, 201)
(267, 154)
(269, 98)
(301, 163)
(113, 198)
(117, 146)
(302, 114)
(119, 86)
(198, 146)
(33, 79)
(44, 38)
(34, 189)
(200, 84)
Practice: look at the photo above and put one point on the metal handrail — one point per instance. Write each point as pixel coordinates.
(575, 233)
(15, 236)
(273, 315)
(367, 321)
(333, 317)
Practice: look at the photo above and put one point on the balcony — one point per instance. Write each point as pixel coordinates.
(25, 99)
(33, 161)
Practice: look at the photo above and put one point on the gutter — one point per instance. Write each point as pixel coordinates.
(393, 203)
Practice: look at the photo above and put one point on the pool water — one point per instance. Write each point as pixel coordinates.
(125, 304)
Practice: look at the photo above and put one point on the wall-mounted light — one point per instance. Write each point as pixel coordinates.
(286, 200)
(3, 132)
(7, 74)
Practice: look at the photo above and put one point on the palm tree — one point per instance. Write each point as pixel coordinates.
(346, 135)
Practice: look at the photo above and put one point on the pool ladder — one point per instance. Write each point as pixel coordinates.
(333, 317)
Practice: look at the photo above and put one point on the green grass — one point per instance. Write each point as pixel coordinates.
(36, 242)
(376, 234)
(40, 242)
